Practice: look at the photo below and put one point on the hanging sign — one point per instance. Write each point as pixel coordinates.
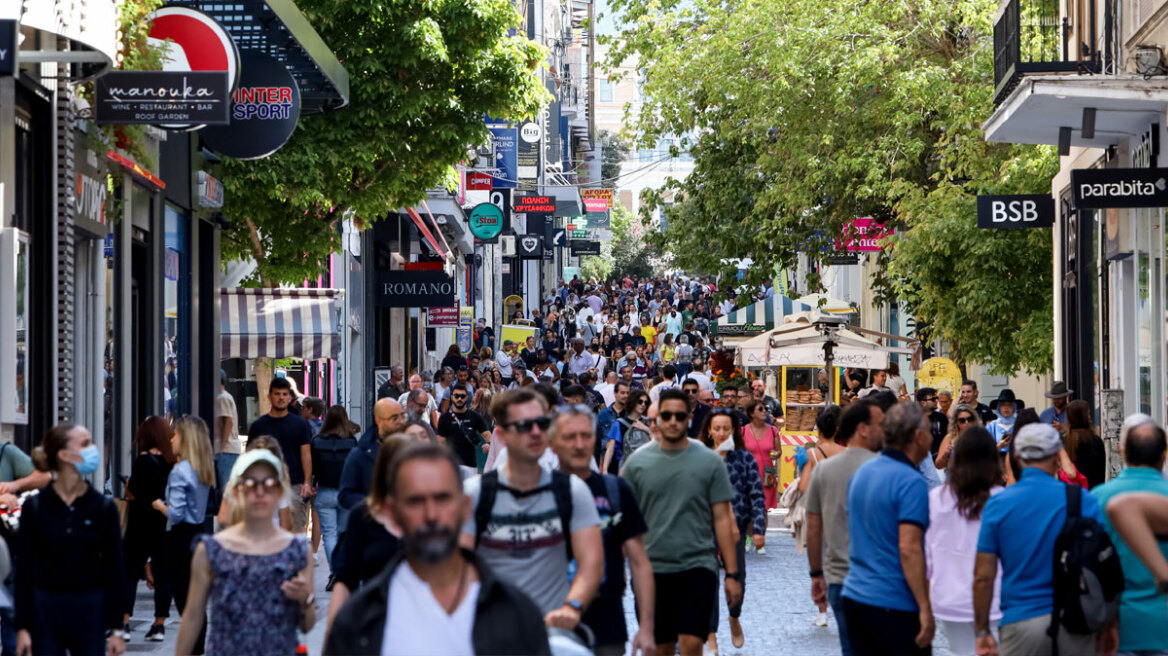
(8, 47)
(176, 99)
(862, 235)
(265, 113)
(486, 221)
(529, 247)
(442, 316)
(506, 163)
(1012, 212)
(580, 247)
(1104, 188)
(529, 156)
(525, 203)
(597, 194)
(428, 289)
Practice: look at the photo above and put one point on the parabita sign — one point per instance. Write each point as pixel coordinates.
(428, 289)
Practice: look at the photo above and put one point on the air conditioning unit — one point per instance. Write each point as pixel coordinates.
(507, 243)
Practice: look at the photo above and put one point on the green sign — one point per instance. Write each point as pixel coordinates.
(578, 234)
(486, 221)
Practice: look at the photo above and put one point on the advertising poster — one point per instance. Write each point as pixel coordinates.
(506, 171)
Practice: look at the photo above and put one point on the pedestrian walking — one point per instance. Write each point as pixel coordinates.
(762, 440)
(927, 398)
(462, 429)
(256, 577)
(71, 579)
(688, 525)
(951, 542)
(965, 416)
(188, 488)
(1006, 407)
(827, 428)
(145, 538)
(330, 450)
(1056, 415)
(968, 395)
(722, 433)
(294, 434)
(1083, 445)
(231, 514)
(388, 419)
(627, 434)
(886, 592)
(227, 446)
(434, 597)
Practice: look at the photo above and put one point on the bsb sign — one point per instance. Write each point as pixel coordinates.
(1108, 188)
(1012, 212)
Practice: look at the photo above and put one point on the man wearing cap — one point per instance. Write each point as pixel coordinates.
(1006, 406)
(1056, 415)
(503, 361)
(1018, 530)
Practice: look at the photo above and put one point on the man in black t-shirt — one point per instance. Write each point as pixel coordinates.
(573, 434)
(294, 434)
(463, 430)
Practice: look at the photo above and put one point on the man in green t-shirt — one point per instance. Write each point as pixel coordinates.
(684, 492)
(17, 473)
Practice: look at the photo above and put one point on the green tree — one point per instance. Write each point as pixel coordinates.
(422, 76)
(613, 152)
(811, 113)
(628, 254)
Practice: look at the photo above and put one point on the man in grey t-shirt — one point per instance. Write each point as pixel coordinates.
(827, 508)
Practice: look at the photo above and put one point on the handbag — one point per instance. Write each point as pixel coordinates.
(770, 472)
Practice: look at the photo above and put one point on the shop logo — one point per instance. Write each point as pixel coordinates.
(530, 132)
(1022, 211)
(1126, 188)
(529, 243)
(1118, 188)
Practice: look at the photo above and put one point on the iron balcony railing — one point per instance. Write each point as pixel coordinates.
(1034, 37)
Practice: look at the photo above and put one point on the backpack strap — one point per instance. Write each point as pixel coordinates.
(1074, 501)
(612, 490)
(488, 490)
(562, 492)
(1074, 495)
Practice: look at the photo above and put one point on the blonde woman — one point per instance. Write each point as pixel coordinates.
(230, 514)
(187, 490)
(964, 417)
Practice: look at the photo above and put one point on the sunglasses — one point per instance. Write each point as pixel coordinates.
(673, 416)
(965, 420)
(457, 397)
(526, 425)
(268, 484)
(931, 399)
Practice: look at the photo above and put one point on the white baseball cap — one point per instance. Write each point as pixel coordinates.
(1037, 442)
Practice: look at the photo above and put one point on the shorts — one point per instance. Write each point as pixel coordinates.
(682, 604)
(606, 617)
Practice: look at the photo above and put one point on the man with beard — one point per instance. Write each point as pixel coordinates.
(463, 429)
(432, 583)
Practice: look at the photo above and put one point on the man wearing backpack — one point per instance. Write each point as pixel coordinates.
(528, 523)
(1019, 528)
(621, 524)
(463, 429)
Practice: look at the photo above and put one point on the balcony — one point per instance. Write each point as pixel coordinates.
(1033, 37)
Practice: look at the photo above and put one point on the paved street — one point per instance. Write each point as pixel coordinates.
(776, 617)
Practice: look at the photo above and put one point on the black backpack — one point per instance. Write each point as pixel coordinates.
(1088, 579)
(329, 455)
(561, 487)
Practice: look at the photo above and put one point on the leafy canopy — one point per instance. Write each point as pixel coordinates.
(810, 113)
(423, 73)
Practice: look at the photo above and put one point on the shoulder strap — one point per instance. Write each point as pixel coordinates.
(488, 489)
(562, 492)
(1074, 501)
(612, 489)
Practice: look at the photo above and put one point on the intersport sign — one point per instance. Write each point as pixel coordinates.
(1114, 188)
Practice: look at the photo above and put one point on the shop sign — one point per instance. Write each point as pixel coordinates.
(529, 247)
(428, 289)
(529, 156)
(1104, 188)
(486, 221)
(193, 41)
(585, 247)
(442, 316)
(265, 113)
(1018, 211)
(599, 219)
(478, 181)
(560, 237)
(525, 203)
(90, 192)
(593, 205)
(842, 259)
(175, 99)
(210, 191)
(579, 233)
(597, 194)
(863, 236)
(8, 47)
(506, 163)
(740, 329)
(464, 336)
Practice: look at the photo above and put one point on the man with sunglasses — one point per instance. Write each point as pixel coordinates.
(463, 429)
(692, 390)
(688, 525)
(938, 422)
(529, 522)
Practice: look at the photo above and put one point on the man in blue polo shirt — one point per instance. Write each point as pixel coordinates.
(886, 592)
(1142, 629)
(1018, 528)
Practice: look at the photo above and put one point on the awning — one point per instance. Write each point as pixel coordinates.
(451, 219)
(761, 317)
(801, 345)
(280, 323)
(90, 27)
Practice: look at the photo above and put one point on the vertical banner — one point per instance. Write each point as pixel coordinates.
(529, 156)
(464, 336)
(506, 164)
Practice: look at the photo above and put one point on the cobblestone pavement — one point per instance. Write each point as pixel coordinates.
(776, 618)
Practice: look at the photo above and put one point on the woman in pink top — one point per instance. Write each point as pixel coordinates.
(974, 473)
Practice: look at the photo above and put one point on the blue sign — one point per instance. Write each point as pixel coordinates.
(506, 161)
(560, 237)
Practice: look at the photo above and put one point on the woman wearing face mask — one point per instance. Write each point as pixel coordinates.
(187, 490)
(1006, 406)
(257, 575)
(721, 432)
(70, 584)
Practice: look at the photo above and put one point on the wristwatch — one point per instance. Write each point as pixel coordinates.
(983, 632)
(575, 605)
(737, 576)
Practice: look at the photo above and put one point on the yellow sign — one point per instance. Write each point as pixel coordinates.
(517, 334)
(942, 374)
(598, 194)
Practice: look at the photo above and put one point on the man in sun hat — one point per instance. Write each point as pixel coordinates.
(1056, 415)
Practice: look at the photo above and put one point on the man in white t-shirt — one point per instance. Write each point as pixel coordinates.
(434, 598)
(227, 446)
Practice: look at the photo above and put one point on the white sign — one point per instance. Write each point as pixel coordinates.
(531, 132)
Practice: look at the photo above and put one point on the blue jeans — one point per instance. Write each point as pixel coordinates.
(328, 511)
(835, 598)
(223, 464)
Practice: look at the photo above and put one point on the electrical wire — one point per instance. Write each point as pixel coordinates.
(585, 185)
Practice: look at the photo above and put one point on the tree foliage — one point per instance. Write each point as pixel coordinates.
(810, 113)
(613, 152)
(628, 254)
(422, 76)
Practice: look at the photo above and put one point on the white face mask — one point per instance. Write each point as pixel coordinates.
(725, 447)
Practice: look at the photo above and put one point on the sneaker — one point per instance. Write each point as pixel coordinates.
(316, 559)
(126, 632)
(761, 551)
(332, 580)
(820, 620)
(157, 633)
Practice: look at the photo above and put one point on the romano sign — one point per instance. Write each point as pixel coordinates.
(428, 289)
(1108, 188)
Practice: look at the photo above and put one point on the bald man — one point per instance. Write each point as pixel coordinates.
(388, 418)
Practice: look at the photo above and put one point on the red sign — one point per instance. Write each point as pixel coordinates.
(442, 316)
(863, 235)
(198, 42)
(534, 204)
(476, 181)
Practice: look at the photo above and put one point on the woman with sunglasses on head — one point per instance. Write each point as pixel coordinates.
(145, 527)
(257, 576)
(628, 432)
(964, 417)
(71, 579)
(762, 439)
(720, 432)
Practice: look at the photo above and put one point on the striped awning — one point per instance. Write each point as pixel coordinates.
(280, 323)
(759, 318)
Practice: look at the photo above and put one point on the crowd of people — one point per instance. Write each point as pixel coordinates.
(505, 506)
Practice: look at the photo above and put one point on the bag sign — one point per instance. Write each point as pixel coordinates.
(1118, 188)
(265, 113)
(1014, 212)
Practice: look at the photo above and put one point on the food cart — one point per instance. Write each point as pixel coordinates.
(797, 352)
